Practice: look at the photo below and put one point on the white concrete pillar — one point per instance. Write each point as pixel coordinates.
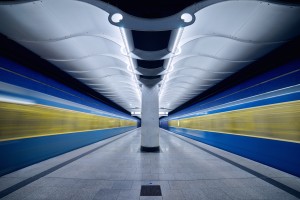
(150, 119)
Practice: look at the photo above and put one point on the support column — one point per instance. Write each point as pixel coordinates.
(150, 119)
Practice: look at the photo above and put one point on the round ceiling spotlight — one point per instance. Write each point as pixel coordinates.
(186, 17)
(117, 17)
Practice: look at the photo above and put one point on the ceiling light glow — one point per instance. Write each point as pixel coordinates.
(169, 66)
(186, 17)
(176, 41)
(130, 67)
(117, 17)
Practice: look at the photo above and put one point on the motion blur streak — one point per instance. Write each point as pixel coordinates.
(277, 121)
(25, 121)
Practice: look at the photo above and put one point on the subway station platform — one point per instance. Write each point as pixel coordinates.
(172, 99)
(115, 169)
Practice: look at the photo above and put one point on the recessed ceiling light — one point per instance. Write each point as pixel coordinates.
(117, 17)
(186, 17)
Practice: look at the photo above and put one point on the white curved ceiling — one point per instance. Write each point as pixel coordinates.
(78, 38)
(224, 38)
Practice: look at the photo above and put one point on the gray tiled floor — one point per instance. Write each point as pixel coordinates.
(117, 171)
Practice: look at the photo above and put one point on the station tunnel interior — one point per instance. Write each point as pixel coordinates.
(149, 99)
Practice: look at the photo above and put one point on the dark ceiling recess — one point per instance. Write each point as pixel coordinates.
(150, 64)
(19, 54)
(149, 77)
(160, 8)
(151, 40)
(151, 8)
(281, 56)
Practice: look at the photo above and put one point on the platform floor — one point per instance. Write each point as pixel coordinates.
(185, 169)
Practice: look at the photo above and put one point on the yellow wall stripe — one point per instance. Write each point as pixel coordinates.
(277, 121)
(25, 121)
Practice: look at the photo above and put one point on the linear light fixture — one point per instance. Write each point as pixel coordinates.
(176, 41)
(136, 113)
(163, 113)
(169, 67)
(131, 64)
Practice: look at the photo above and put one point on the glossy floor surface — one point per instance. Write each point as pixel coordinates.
(116, 169)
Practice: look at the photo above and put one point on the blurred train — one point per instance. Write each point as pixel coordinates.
(258, 119)
(41, 118)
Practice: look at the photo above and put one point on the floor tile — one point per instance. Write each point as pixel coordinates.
(122, 185)
(106, 194)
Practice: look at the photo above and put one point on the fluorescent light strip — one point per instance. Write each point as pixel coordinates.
(168, 67)
(177, 38)
(136, 113)
(131, 65)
